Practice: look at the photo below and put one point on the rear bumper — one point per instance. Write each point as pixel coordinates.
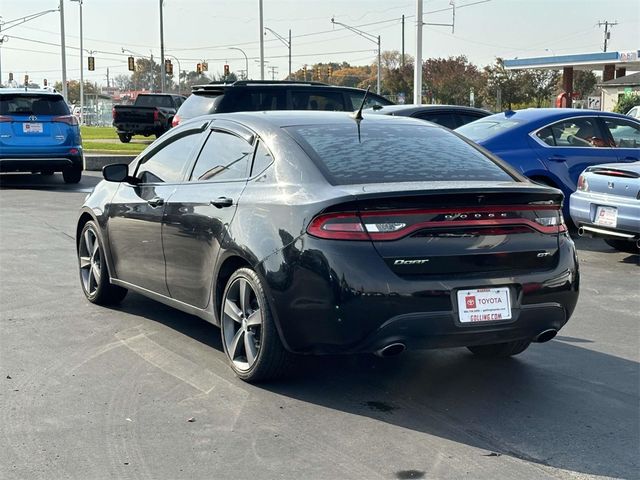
(139, 128)
(583, 208)
(29, 163)
(339, 298)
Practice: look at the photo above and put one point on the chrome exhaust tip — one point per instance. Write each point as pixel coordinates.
(581, 232)
(545, 335)
(391, 350)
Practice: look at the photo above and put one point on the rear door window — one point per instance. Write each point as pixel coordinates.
(256, 100)
(33, 104)
(577, 132)
(393, 153)
(356, 100)
(317, 100)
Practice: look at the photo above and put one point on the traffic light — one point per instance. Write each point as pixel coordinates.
(226, 70)
(330, 70)
(168, 67)
(318, 73)
(205, 67)
(10, 77)
(199, 69)
(92, 63)
(132, 64)
(304, 70)
(26, 79)
(45, 82)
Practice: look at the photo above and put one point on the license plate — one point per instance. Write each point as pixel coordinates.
(606, 216)
(484, 305)
(32, 127)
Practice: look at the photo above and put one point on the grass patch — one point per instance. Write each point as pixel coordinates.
(92, 133)
(105, 147)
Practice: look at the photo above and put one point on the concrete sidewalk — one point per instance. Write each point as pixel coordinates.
(97, 161)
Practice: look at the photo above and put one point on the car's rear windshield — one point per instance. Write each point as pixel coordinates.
(393, 153)
(196, 105)
(32, 104)
(487, 127)
(153, 101)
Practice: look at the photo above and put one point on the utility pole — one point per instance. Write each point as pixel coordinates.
(81, 67)
(162, 72)
(273, 72)
(65, 93)
(261, 43)
(607, 33)
(108, 85)
(402, 57)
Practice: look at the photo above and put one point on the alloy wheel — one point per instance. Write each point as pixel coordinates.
(242, 320)
(90, 261)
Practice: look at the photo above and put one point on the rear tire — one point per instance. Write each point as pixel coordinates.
(124, 137)
(500, 350)
(94, 276)
(249, 336)
(628, 246)
(72, 174)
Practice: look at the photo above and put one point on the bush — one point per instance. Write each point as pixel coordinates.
(626, 103)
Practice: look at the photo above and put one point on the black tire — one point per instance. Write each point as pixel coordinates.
(272, 360)
(500, 350)
(72, 174)
(628, 246)
(99, 290)
(124, 137)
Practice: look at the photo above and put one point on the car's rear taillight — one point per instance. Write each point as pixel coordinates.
(583, 185)
(113, 113)
(156, 115)
(4, 118)
(68, 119)
(176, 121)
(387, 225)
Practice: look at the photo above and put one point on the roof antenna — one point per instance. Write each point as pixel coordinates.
(357, 115)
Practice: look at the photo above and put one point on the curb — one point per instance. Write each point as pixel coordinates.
(97, 161)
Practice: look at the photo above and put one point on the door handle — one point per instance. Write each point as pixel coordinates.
(557, 158)
(222, 202)
(156, 202)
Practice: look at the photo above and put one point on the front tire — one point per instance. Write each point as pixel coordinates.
(500, 350)
(124, 137)
(72, 174)
(94, 277)
(249, 336)
(628, 246)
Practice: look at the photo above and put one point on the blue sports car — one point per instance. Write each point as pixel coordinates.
(555, 145)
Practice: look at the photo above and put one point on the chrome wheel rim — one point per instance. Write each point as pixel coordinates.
(90, 261)
(241, 324)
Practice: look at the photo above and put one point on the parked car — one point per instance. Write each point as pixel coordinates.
(255, 95)
(634, 112)
(607, 204)
(450, 116)
(38, 133)
(151, 114)
(554, 145)
(315, 233)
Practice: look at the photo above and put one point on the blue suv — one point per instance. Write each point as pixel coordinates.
(38, 133)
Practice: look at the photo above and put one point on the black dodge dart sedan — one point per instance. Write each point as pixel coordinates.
(318, 232)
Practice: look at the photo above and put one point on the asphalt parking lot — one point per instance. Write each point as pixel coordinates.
(143, 391)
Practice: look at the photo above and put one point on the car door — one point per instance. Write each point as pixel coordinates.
(136, 212)
(199, 213)
(625, 135)
(569, 146)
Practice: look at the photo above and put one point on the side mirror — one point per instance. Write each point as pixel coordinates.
(116, 172)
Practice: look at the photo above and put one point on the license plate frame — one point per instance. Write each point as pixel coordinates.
(606, 216)
(32, 127)
(484, 305)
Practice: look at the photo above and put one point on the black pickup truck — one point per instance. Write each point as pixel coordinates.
(151, 114)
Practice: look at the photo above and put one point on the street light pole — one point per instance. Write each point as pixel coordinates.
(417, 67)
(371, 38)
(261, 43)
(65, 93)
(286, 43)
(81, 66)
(162, 71)
(246, 60)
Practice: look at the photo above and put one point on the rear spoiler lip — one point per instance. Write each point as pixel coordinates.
(620, 172)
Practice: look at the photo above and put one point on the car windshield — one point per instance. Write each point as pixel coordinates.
(393, 153)
(33, 104)
(486, 128)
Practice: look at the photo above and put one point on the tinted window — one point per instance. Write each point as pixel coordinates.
(223, 157)
(196, 105)
(577, 132)
(464, 118)
(486, 128)
(625, 134)
(170, 162)
(444, 119)
(393, 153)
(546, 135)
(241, 100)
(262, 159)
(356, 100)
(314, 100)
(153, 101)
(33, 105)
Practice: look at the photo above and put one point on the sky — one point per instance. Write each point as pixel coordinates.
(197, 30)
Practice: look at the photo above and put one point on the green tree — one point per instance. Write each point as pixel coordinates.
(73, 90)
(540, 86)
(584, 83)
(511, 83)
(627, 102)
(450, 80)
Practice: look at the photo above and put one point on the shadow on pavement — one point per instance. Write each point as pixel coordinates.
(37, 181)
(557, 404)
